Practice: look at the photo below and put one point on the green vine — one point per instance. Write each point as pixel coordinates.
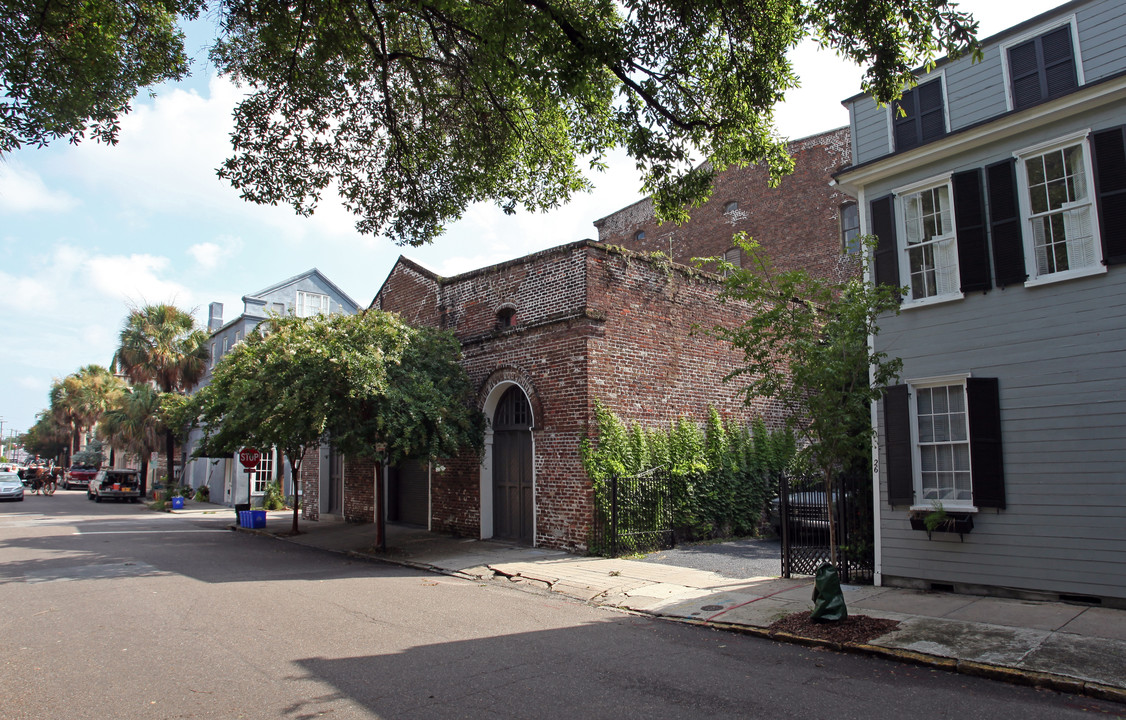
(724, 475)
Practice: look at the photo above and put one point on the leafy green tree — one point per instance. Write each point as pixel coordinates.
(135, 424)
(161, 344)
(373, 384)
(413, 110)
(805, 347)
(48, 437)
(68, 68)
(79, 400)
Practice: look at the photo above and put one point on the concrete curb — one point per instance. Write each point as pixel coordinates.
(1002, 673)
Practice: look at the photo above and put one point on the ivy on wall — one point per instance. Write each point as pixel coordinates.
(723, 475)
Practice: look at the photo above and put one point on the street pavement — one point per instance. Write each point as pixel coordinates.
(1066, 647)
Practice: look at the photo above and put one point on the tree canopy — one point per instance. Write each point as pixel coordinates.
(805, 347)
(161, 344)
(71, 68)
(412, 111)
(369, 382)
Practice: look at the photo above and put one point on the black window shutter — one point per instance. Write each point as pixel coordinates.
(905, 120)
(886, 259)
(897, 440)
(1110, 188)
(1058, 62)
(932, 117)
(923, 118)
(1042, 68)
(1005, 224)
(1024, 71)
(983, 405)
(969, 219)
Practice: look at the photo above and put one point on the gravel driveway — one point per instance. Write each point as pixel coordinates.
(733, 558)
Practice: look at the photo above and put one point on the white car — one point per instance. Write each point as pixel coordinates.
(11, 487)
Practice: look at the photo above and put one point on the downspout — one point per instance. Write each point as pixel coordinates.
(877, 506)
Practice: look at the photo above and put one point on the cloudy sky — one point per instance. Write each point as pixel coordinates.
(88, 231)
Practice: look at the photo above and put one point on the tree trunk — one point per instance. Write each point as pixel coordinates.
(170, 453)
(829, 506)
(380, 526)
(295, 463)
(144, 474)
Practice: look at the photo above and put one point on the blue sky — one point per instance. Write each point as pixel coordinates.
(88, 231)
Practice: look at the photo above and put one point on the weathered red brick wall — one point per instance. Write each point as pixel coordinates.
(544, 352)
(413, 292)
(652, 360)
(310, 478)
(797, 223)
(359, 489)
(590, 322)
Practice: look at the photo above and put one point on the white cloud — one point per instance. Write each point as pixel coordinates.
(210, 254)
(135, 278)
(23, 190)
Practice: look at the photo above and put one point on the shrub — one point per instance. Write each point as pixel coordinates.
(273, 499)
(723, 476)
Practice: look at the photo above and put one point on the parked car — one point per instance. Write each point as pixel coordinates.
(115, 484)
(79, 476)
(11, 487)
(807, 512)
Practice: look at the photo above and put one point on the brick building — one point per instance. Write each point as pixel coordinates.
(543, 337)
(805, 222)
(546, 335)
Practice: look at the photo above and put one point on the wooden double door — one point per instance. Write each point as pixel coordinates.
(513, 490)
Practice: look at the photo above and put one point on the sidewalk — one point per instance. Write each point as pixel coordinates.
(1069, 648)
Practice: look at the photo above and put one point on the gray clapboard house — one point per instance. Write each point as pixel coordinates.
(999, 200)
(304, 295)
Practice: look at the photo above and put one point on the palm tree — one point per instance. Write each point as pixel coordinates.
(134, 425)
(161, 344)
(79, 400)
(65, 407)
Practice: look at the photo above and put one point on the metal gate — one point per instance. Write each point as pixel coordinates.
(804, 524)
(633, 514)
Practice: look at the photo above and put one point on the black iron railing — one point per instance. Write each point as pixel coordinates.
(804, 526)
(633, 514)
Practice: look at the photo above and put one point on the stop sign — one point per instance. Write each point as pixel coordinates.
(249, 458)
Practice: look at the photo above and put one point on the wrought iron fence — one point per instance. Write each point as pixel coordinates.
(633, 514)
(804, 526)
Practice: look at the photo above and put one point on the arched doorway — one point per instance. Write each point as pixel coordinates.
(513, 496)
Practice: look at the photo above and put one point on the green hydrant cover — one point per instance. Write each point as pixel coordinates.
(828, 600)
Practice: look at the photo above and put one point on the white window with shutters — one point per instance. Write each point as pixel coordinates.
(940, 429)
(929, 256)
(1057, 203)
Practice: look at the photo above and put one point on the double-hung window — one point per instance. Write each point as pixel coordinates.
(1057, 202)
(264, 473)
(850, 228)
(942, 438)
(943, 444)
(310, 304)
(930, 251)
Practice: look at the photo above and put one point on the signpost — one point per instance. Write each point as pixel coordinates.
(249, 457)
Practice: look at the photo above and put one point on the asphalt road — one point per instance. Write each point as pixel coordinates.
(111, 611)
